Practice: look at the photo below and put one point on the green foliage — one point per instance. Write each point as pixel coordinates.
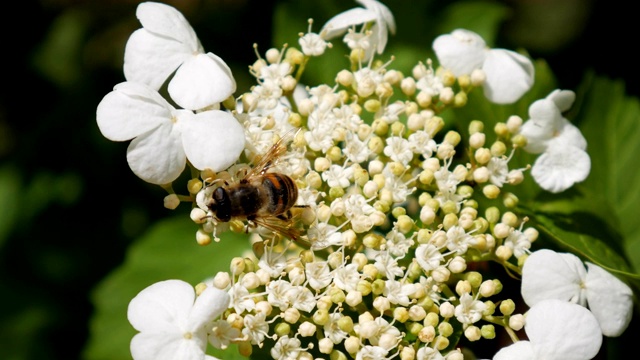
(481, 17)
(167, 251)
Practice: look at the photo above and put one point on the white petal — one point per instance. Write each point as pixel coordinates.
(161, 307)
(167, 22)
(462, 51)
(165, 346)
(558, 168)
(339, 24)
(213, 139)
(569, 134)
(157, 157)
(522, 350)
(209, 305)
(509, 76)
(547, 274)
(562, 98)
(563, 331)
(384, 21)
(544, 121)
(610, 300)
(150, 59)
(201, 81)
(130, 110)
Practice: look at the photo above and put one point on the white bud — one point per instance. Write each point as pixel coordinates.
(417, 313)
(516, 322)
(291, 315)
(502, 230)
(171, 201)
(370, 189)
(381, 304)
(478, 77)
(250, 281)
(221, 280)
(513, 124)
(307, 329)
(458, 265)
(440, 274)
(447, 310)
(487, 288)
(477, 140)
(325, 345)
(472, 333)
(264, 307)
(375, 167)
(353, 298)
(427, 215)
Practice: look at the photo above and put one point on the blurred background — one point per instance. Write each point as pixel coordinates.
(69, 205)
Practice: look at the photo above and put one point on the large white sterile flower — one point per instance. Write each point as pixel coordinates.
(508, 74)
(167, 42)
(563, 160)
(172, 322)
(373, 11)
(550, 275)
(165, 137)
(557, 330)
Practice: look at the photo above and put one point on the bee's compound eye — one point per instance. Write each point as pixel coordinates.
(221, 205)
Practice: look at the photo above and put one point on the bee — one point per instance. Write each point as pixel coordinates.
(260, 197)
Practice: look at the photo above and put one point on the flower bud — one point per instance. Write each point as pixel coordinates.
(441, 343)
(401, 314)
(487, 288)
(408, 86)
(463, 287)
(472, 333)
(202, 237)
(352, 345)
(507, 307)
(488, 331)
(457, 265)
(427, 334)
(325, 345)
(291, 315)
(307, 329)
(353, 298)
(345, 78)
(516, 322)
(447, 310)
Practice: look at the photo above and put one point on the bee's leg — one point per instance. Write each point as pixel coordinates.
(285, 216)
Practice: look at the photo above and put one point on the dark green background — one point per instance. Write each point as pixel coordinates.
(71, 206)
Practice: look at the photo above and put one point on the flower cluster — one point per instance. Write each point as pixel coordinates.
(393, 206)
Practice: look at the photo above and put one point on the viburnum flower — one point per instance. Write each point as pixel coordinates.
(167, 42)
(173, 322)
(508, 74)
(564, 160)
(556, 330)
(550, 275)
(165, 137)
(373, 11)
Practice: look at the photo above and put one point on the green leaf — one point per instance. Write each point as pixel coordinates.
(10, 199)
(466, 15)
(610, 121)
(167, 251)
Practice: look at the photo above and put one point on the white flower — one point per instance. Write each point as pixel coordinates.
(398, 149)
(286, 348)
(427, 353)
(167, 42)
(165, 137)
(550, 275)
(428, 257)
(373, 11)
(556, 330)
(508, 74)
(564, 160)
(241, 300)
(172, 322)
(469, 310)
(318, 274)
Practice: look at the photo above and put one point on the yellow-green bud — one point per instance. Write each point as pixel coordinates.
(282, 329)
(334, 154)
(424, 99)
(397, 128)
(498, 148)
(431, 319)
(345, 78)
(501, 129)
(510, 219)
(488, 331)
(364, 287)
(491, 191)
(405, 224)
(337, 295)
(452, 137)
(460, 99)
(441, 343)
(450, 220)
(372, 105)
(376, 145)
(445, 329)
(336, 192)
(507, 307)
(414, 328)
(474, 278)
(519, 140)
(490, 308)
(377, 287)
(464, 81)
(373, 241)
(321, 317)
(463, 287)
(492, 215)
(426, 177)
(345, 323)
(337, 355)
(401, 314)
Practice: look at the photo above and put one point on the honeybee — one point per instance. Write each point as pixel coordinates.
(260, 197)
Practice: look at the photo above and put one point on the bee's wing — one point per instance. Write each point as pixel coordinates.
(271, 157)
(283, 227)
